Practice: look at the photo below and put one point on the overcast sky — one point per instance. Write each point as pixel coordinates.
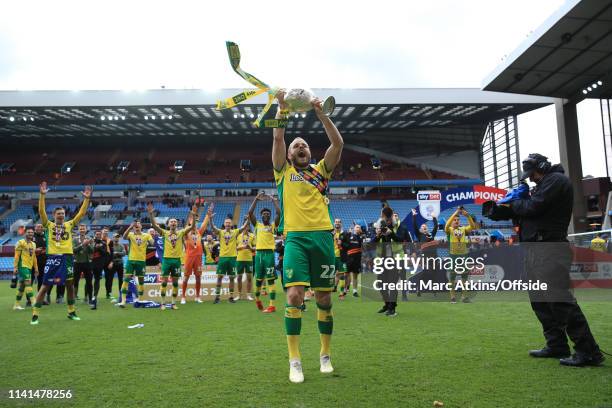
(341, 44)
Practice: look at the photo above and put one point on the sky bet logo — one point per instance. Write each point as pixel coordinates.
(151, 278)
(296, 177)
(429, 197)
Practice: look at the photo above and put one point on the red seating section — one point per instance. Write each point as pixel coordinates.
(154, 165)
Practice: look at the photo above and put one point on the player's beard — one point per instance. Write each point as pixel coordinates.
(300, 159)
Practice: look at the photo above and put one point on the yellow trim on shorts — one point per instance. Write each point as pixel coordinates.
(297, 284)
(322, 289)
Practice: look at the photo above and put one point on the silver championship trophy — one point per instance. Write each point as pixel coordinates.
(298, 100)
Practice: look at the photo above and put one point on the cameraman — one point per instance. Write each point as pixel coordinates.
(391, 236)
(543, 217)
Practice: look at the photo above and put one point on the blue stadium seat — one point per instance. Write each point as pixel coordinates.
(6, 264)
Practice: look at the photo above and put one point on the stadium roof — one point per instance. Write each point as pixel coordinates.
(568, 53)
(38, 114)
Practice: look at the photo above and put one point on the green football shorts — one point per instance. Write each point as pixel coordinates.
(227, 265)
(340, 266)
(24, 274)
(309, 260)
(171, 267)
(244, 267)
(135, 268)
(264, 264)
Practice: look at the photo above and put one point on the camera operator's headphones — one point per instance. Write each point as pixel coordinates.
(535, 162)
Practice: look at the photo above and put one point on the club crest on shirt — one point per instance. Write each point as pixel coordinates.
(173, 238)
(59, 233)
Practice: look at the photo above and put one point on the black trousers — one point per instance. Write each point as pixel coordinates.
(389, 296)
(110, 274)
(96, 269)
(557, 308)
(83, 268)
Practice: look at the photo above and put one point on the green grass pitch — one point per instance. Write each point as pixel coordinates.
(465, 355)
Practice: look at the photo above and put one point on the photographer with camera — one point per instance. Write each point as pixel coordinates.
(543, 217)
(390, 237)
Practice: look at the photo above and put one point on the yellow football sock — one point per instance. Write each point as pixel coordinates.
(293, 343)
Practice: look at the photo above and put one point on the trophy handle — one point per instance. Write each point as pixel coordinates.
(328, 105)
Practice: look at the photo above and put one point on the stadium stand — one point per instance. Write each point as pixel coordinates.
(155, 165)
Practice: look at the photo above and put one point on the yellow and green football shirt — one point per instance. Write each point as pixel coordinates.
(25, 254)
(303, 206)
(598, 244)
(265, 236)
(138, 246)
(59, 236)
(336, 245)
(227, 242)
(458, 240)
(246, 238)
(173, 243)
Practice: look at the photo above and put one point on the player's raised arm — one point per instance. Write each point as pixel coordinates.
(192, 219)
(153, 222)
(334, 151)
(277, 211)
(472, 223)
(208, 218)
(251, 213)
(128, 229)
(244, 226)
(449, 222)
(84, 206)
(212, 224)
(42, 212)
(279, 149)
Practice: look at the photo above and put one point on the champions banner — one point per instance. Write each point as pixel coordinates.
(152, 285)
(432, 203)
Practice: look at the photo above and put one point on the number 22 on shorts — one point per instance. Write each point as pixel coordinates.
(329, 271)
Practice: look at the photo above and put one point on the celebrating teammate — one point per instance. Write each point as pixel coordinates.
(193, 255)
(211, 251)
(173, 250)
(25, 265)
(59, 266)
(264, 257)
(117, 252)
(99, 261)
(458, 244)
(137, 254)
(82, 248)
(244, 260)
(227, 255)
(353, 242)
(338, 255)
(305, 219)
